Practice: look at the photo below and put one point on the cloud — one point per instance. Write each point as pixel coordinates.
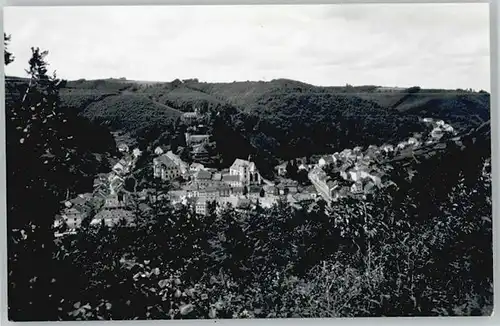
(432, 45)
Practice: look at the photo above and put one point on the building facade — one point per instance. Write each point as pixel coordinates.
(247, 172)
(165, 168)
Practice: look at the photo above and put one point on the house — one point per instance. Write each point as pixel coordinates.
(448, 128)
(189, 117)
(115, 183)
(319, 179)
(201, 206)
(114, 201)
(413, 141)
(357, 188)
(121, 167)
(165, 168)
(200, 153)
(113, 217)
(437, 133)
(203, 175)
(237, 191)
(183, 166)
(193, 140)
(387, 148)
(136, 153)
(281, 169)
(203, 179)
(217, 177)
(72, 217)
(357, 150)
(213, 193)
(158, 150)
(243, 204)
(224, 202)
(440, 123)
(247, 171)
(303, 198)
(354, 176)
(369, 187)
(326, 160)
(123, 148)
(195, 167)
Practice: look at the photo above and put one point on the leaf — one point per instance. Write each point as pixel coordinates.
(77, 305)
(162, 283)
(186, 309)
(212, 313)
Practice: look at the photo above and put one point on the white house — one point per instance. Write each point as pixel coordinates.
(437, 133)
(195, 167)
(232, 180)
(72, 217)
(121, 167)
(326, 160)
(412, 141)
(387, 148)
(281, 169)
(357, 149)
(353, 176)
(192, 140)
(303, 167)
(123, 148)
(183, 166)
(440, 123)
(247, 171)
(165, 168)
(158, 150)
(136, 152)
(402, 145)
(201, 206)
(448, 128)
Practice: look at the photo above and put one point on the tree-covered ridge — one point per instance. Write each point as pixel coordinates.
(284, 118)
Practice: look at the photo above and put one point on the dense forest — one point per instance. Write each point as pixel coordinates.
(421, 247)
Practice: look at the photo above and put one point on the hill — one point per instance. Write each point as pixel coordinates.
(279, 119)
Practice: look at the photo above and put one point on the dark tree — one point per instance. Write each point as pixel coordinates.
(45, 161)
(8, 57)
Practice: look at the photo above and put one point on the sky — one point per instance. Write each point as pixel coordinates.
(427, 45)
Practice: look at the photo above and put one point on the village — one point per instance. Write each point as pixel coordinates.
(353, 172)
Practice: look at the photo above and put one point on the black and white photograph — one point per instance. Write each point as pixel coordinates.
(248, 161)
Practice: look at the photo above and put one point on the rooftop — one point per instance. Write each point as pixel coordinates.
(242, 163)
(200, 150)
(230, 178)
(198, 137)
(217, 176)
(203, 175)
(165, 160)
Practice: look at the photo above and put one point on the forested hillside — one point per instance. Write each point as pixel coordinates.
(275, 120)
